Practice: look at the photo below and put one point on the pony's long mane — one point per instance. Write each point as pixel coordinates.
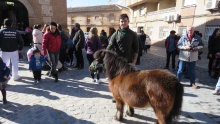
(116, 65)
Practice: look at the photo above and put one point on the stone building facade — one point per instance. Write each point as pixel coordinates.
(158, 17)
(102, 17)
(30, 12)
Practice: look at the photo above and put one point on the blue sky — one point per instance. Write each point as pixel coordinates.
(77, 3)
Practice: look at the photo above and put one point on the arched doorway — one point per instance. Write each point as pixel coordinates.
(15, 10)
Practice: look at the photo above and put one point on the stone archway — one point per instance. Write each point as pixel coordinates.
(31, 11)
(15, 10)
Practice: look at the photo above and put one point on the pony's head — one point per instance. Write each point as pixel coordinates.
(99, 56)
(114, 64)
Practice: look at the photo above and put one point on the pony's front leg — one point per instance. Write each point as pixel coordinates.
(120, 109)
(130, 111)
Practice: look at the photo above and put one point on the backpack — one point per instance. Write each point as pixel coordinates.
(69, 43)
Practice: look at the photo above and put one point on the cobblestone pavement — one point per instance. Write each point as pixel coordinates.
(75, 99)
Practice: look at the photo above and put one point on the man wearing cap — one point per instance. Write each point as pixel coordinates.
(171, 48)
(11, 43)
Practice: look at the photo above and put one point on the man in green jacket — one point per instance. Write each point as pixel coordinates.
(124, 42)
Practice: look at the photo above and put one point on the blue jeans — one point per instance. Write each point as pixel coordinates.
(54, 57)
(190, 70)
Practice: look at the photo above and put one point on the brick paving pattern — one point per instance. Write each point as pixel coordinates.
(75, 99)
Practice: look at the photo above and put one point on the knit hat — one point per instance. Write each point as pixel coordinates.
(53, 24)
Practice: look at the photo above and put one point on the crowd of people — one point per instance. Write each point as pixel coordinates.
(52, 47)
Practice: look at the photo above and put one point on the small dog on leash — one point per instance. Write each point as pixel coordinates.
(96, 68)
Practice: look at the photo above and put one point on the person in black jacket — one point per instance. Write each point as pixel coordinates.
(213, 48)
(63, 48)
(78, 42)
(124, 42)
(11, 43)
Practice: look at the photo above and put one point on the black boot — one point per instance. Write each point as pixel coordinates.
(4, 96)
(56, 77)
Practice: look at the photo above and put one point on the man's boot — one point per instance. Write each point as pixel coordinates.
(56, 77)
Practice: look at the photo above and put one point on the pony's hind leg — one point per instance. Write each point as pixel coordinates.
(161, 118)
(120, 109)
(130, 111)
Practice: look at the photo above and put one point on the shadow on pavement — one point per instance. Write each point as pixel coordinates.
(71, 87)
(36, 115)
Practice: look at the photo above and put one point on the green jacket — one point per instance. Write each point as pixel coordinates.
(124, 43)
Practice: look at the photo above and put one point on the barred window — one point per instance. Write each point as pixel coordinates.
(149, 31)
(163, 31)
(189, 2)
(208, 31)
(111, 17)
(142, 11)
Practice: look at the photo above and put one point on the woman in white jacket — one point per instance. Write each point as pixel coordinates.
(37, 36)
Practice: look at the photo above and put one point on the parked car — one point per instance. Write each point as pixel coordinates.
(86, 34)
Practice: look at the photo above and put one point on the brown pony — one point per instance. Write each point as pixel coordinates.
(159, 89)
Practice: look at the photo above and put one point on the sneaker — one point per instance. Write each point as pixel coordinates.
(195, 86)
(5, 101)
(97, 81)
(35, 82)
(17, 78)
(93, 80)
(216, 92)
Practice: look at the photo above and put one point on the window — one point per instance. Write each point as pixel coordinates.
(142, 11)
(111, 17)
(149, 31)
(163, 31)
(135, 13)
(72, 20)
(182, 31)
(208, 31)
(189, 2)
(96, 17)
(88, 20)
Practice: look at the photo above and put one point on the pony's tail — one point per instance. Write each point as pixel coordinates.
(175, 112)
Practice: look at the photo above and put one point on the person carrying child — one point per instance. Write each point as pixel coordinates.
(35, 65)
(4, 77)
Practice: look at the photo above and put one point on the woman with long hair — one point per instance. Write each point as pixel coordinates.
(45, 29)
(92, 44)
(51, 45)
(213, 48)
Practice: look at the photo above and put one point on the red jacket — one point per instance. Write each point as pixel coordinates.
(51, 43)
(167, 42)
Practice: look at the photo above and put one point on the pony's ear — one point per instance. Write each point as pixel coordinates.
(100, 54)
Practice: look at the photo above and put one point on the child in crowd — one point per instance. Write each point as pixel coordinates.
(4, 77)
(95, 69)
(35, 65)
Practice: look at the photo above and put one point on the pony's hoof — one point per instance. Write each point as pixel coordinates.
(128, 113)
(118, 118)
